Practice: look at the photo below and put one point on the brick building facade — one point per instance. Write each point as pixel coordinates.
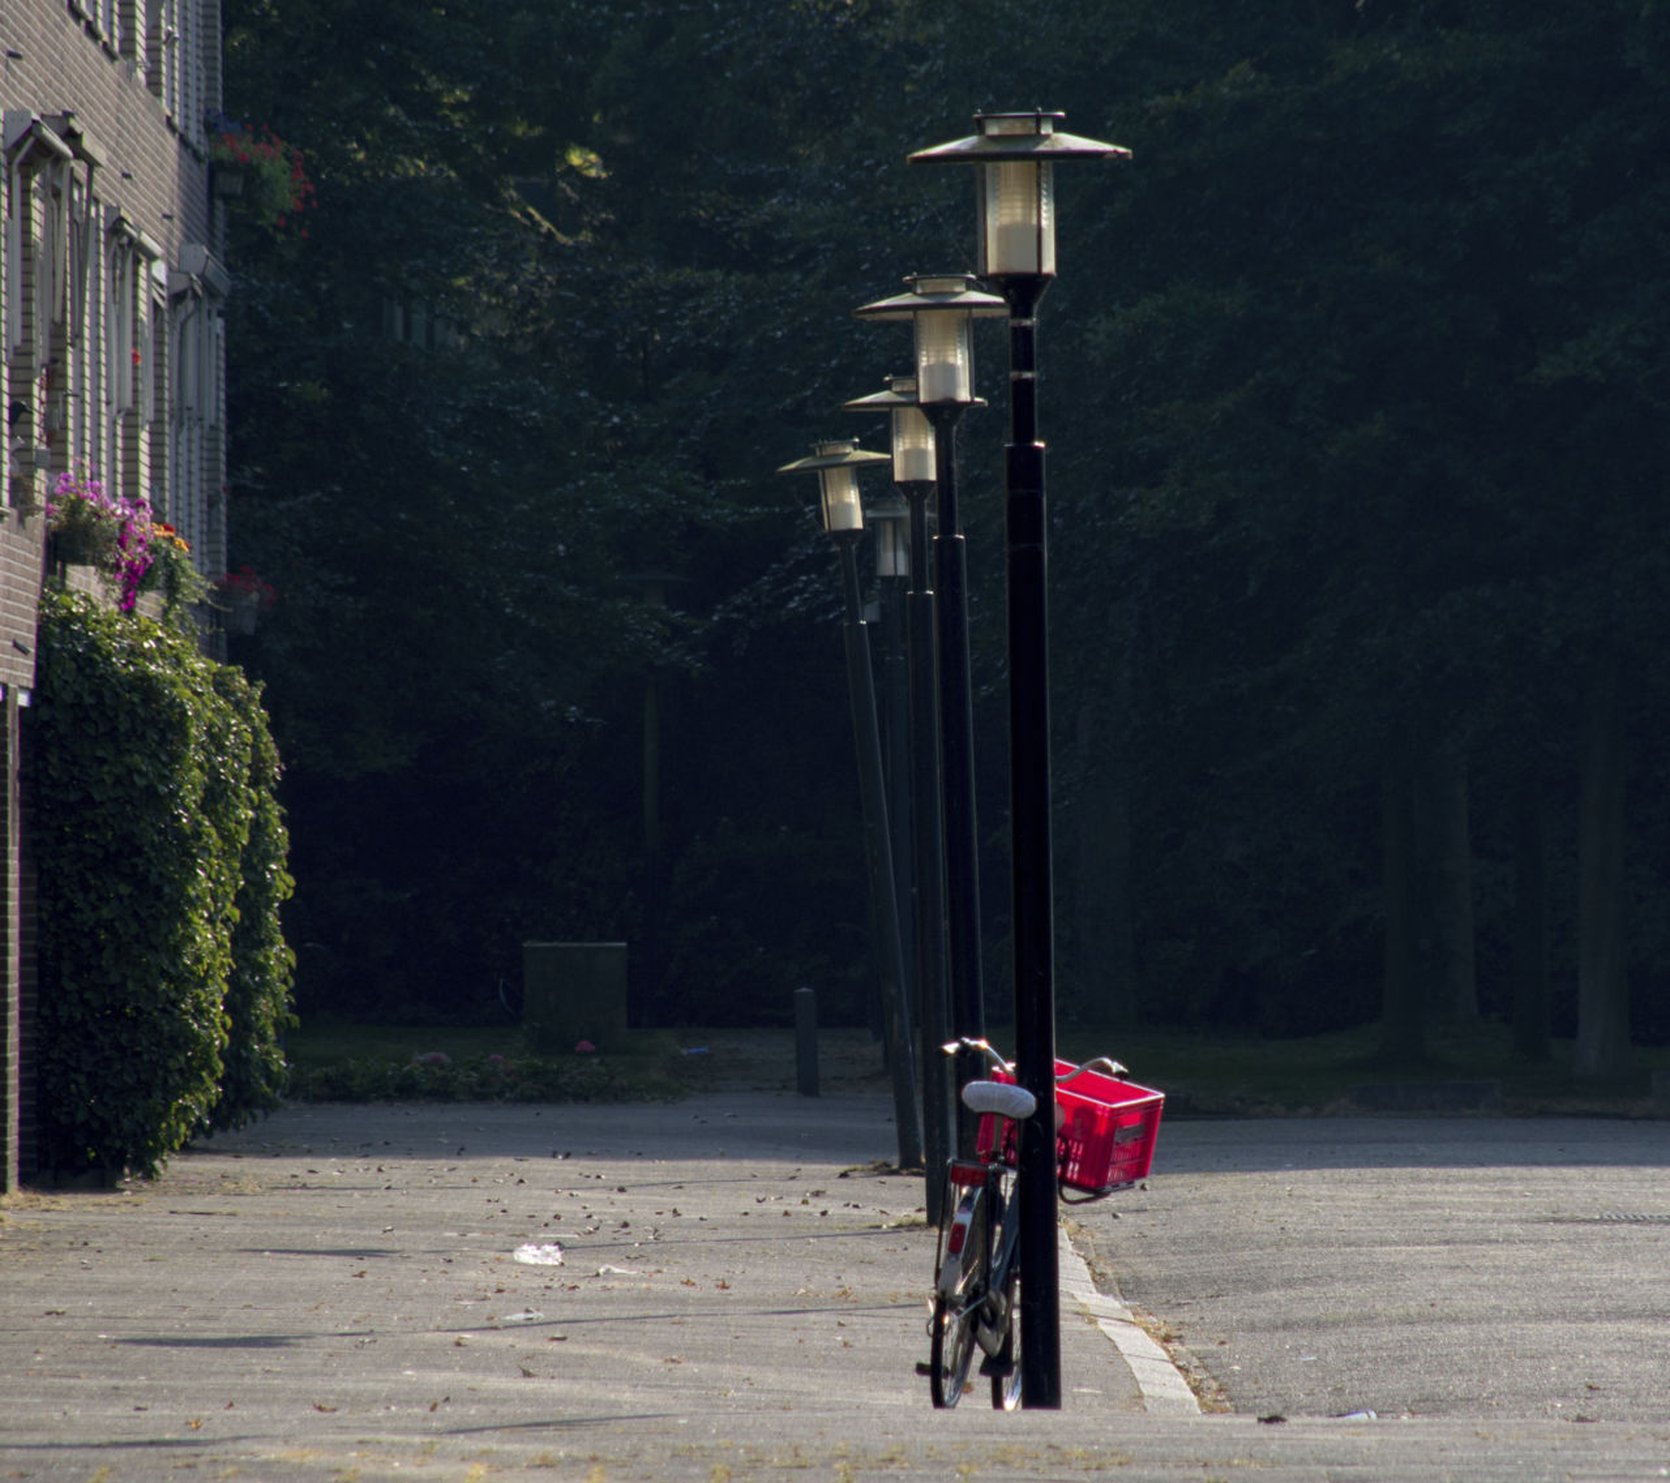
(111, 288)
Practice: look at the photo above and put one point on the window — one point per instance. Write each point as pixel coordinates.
(151, 342)
(187, 111)
(82, 337)
(132, 38)
(38, 177)
(121, 272)
(104, 20)
(162, 53)
(194, 350)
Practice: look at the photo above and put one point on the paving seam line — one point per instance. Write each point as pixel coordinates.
(1164, 1390)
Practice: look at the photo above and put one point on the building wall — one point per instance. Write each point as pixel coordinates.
(111, 288)
(11, 953)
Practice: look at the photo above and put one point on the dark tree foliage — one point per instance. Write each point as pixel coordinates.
(1390, 376)
(1355, 388)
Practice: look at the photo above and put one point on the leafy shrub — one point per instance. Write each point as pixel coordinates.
(149, 779)
(258, 990)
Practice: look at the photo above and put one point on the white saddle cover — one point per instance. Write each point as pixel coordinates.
(1000, 1097)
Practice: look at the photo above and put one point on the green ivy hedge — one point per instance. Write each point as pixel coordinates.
(164, 976)
(258, 999)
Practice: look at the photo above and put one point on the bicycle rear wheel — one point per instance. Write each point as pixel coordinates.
(1006, 1363)
(1004, 1366)
(958, 1299)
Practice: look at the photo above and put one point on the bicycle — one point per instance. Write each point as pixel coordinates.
(1105, 1132)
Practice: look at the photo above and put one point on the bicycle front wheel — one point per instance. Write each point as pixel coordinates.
(1006, 1363)
(957, 1303)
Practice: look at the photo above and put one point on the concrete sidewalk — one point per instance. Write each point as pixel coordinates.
(357, 1292)
(364, 1286)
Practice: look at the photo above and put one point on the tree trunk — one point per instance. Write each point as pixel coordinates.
(1602, 1048)
(1531, 996)
(1445, 865)
(1402, 1036)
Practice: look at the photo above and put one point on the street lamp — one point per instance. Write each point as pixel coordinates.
(837, 464)
(1016, 153)
(941, 310)
(913, 473)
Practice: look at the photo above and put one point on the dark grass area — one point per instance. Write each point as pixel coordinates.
(1341, 1071)
(1472, 1070)
(340, 1062)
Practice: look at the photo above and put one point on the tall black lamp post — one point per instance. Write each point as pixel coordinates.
(941, 310)
(1016, 153)
(836, 463)
(887, 520)
(912, 438)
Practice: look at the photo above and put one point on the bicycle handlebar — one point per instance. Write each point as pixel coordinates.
(1103, 1064)
(1106, 1065)
(983, 1047)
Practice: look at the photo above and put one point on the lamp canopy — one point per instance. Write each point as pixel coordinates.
(935, 293)
(1018, 136)
(900, 391)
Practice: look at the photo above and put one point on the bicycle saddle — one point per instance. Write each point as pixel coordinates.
(999, 1097)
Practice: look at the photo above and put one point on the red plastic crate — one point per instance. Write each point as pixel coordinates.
(1106, 1129)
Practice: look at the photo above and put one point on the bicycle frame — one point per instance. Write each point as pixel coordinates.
(1000, 1252)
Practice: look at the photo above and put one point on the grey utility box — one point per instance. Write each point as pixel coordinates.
(574, 991)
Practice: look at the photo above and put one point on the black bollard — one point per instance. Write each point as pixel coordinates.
(806, 1041)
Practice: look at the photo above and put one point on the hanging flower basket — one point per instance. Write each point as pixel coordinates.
(88, 527)
(172, 574)
(253, 167)
(243, 597)
(242, 609)
(85, 539)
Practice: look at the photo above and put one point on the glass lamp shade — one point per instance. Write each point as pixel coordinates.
(913, 434)
(944, 357)
(913, 446)
(1017, 219)
(892, 548)
(842, 510)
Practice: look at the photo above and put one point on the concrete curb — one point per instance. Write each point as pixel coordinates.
(1164, 1390)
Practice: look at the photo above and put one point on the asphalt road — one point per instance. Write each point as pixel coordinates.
(1478, 1268)
(356, 1293)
